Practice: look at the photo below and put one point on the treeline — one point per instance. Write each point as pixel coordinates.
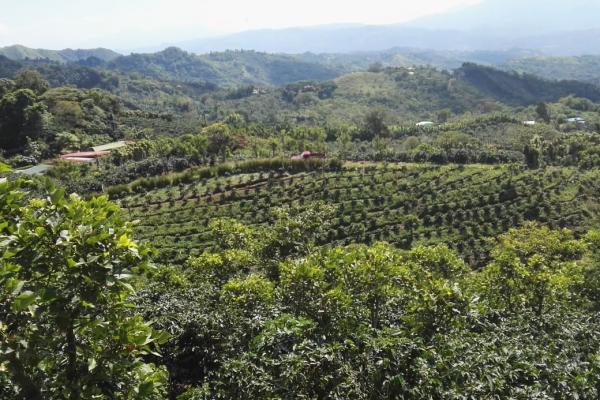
(251, 166)
(523, 89)
(37, 122)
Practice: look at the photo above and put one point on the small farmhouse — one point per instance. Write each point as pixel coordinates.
(110, 146)
(308, 154)
(425, 124)
(84, 156)
(94, 153)
(576, 120)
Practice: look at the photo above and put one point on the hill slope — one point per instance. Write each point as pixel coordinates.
(405, 94)
(373, 204)
(585, 68)
(19, 53)
(226, 69)
(407, 57)
(515, 89)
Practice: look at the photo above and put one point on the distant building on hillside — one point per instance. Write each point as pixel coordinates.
(529, 123)
(258, 90)
(425, 124)
(308, 154)
(576, 120)
(94, 153)
(110, 146)
(84, 156)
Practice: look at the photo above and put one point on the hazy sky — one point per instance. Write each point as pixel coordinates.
(130, 24)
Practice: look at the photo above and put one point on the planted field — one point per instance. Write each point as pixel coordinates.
(403, 204)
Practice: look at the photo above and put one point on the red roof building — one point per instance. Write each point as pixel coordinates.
(308, 154)
(84, 156)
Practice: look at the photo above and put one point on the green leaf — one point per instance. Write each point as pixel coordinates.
(91, 364)
(125, 242)
(24, 300)
(16, 286)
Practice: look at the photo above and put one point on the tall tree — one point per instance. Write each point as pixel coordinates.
(32, 80)
(66, 328)
(374, 125)
(21, 116)
(543, 112)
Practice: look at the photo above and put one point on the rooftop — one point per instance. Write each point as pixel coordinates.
(110, 146)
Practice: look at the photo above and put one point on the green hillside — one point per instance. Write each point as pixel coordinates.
(405, 94)
(516, 89)
(213, 255)
(265, 87)
(20, 53)
(411, 57)
(584, 68)
(404, 204)
(225, 69)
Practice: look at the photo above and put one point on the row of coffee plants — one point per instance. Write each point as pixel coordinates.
(404, 204)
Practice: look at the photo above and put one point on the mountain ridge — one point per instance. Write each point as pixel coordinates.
(19, 53)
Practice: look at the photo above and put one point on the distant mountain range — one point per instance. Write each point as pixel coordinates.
(556, 27)
(584, 68)
(238, 68)
(19, 53)
(377, 38)
(551, 27)
(517, 19)
(229, 68)
(548, 38)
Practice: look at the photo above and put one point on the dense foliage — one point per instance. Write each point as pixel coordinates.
(66, 326)
(377, 322)
(442, 243)
(404, 205)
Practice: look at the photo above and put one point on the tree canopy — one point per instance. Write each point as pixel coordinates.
(66, 325)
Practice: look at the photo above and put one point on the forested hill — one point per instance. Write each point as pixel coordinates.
(228, 68)
(522, 89)
(265, 87)
(584, 68)
(405, 94)
(19, 53)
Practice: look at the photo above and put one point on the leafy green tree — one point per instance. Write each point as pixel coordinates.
(67, 141)
(590, 286)
(6, 86)
(376, 67)
(220, 139)
(296, 231)
(66, 326)
(443, 116)
(543, 112)
(533, 268)
(532, 157)
(21, 116)
(374, 125)
(273, 144)
(32, 80)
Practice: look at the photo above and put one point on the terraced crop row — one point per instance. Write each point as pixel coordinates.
(462, 206)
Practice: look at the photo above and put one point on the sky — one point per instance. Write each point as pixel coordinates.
(135, 24)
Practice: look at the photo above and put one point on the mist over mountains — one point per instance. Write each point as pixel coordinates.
(517, 18)
(550, 27)
(545, 38)
(556, 27)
